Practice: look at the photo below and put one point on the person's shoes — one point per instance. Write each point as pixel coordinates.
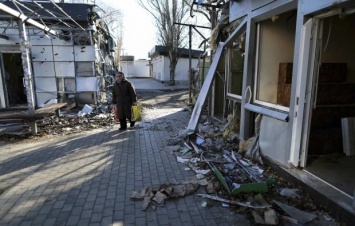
(132, 124)
(123, 128)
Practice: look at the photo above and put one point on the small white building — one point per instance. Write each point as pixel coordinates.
(134, 68)
(160, 64)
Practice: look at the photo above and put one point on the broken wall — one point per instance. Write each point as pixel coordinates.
(61, 68)
(55, 63)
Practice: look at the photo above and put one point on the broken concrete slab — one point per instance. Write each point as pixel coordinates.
(257, 217)
(270, 217)
(159, 193)
(160, 198)
(301, 216)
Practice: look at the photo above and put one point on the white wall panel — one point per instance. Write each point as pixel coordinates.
(11, 31)
(84, 53)
(273, 144)
(13, 40)
(43, 69)
(32, 31)
(85, 84)
(42, 53)
(63, 53)
(65, 69)
(238, 9)
(40, 40)
(44, 97)
(58, 42)
(84, 68)
(45, 85)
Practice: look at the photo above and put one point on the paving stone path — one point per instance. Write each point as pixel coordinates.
(88, 178)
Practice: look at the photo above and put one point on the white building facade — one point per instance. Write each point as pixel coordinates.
(67, 64)
(160, 64)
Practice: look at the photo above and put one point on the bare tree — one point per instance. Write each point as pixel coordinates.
(113, 18)
(110, 18)
(168, 15)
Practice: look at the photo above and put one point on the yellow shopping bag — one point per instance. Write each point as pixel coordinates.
(136, 113)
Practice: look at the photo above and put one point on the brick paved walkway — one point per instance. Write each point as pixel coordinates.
(88, 178)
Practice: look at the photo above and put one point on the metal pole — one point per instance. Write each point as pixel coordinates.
(190, 72)
(28, 78)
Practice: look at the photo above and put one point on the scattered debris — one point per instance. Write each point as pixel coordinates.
(67, 122)
(158, 194)
(231, 168)
(232, 202)
(289, 192)
(301, 216)
(257, 217)
(270, 217)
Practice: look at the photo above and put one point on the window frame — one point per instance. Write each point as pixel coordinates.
(261, 103)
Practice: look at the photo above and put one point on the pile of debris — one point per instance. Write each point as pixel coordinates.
(232, 173)
(69, 121)
(157, 195)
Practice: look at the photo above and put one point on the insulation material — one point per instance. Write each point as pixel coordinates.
(85, 84)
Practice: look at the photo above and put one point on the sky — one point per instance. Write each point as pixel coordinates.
(138, 30)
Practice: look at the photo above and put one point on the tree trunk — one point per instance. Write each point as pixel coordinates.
(172, 74)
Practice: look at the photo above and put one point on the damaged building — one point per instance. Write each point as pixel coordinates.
(53, 53)
(291, 63)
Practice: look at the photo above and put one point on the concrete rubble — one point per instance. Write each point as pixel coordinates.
(156, 195)
(69, 121)
(235, 176)
(228, 172)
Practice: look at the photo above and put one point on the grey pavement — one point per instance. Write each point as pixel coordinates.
(88, 178)
(148, 83)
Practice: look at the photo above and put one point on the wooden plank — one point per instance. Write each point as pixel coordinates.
(39, 113)
(50, 108)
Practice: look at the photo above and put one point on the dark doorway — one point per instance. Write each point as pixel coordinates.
(334, 106)
(13, 73)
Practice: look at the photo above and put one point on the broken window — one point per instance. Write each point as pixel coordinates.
(235, 65)
(275, 49)
(66, 84)
(236, 77)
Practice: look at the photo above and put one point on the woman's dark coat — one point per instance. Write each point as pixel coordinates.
(123, 95)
